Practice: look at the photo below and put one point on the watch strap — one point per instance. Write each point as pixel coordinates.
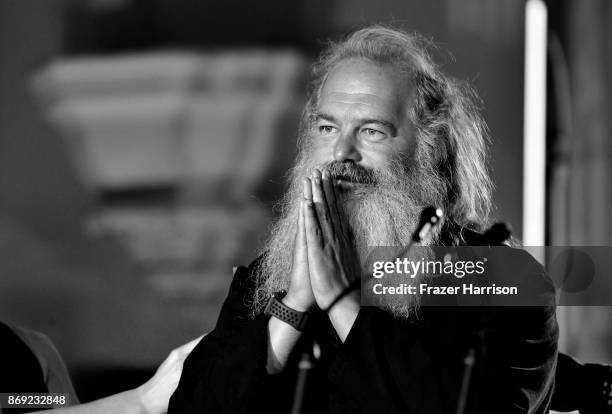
(279, 310)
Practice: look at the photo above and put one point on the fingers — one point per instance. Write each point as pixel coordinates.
(311, 221)
(300, 236)
(332, 203)
(188, 347)
(311, 225)
(184, 350)
(321, 207)
(307, 188)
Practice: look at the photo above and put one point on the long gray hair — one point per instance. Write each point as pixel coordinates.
(451, 141)
(450, 130)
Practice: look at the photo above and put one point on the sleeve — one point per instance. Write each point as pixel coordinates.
(226, 372)
(519, 364)
(54, 369)
(386, 365)
(519, 360)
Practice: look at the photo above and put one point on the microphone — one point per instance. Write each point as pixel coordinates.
(430, 217)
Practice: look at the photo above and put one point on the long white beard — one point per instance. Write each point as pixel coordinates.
(382, 214)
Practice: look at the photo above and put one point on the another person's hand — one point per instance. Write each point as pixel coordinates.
(150, 398)
(156, 392)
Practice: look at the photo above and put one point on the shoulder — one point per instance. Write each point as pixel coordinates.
(245, 277)
(509, 264)
(238, 305)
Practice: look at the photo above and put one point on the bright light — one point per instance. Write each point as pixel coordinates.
(534, 133)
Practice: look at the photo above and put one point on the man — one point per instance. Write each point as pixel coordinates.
(384, 134)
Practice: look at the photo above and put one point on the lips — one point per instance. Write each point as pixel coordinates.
(352, 179)
(348, 179)
(351, 173)
(346, 184)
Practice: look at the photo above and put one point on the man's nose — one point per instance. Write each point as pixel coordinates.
(345, 149)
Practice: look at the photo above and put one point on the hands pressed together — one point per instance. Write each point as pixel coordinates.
(324, 261)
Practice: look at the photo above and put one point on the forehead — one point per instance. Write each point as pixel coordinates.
(364, 85)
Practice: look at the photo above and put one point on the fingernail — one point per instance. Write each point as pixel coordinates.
(325, 174)
(318, 180)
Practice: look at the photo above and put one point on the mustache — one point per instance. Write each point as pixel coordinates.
(351, 172)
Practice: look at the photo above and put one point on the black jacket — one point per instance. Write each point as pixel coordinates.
(385, 365)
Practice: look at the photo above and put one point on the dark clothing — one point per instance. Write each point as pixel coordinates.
(386, 365)
(582, 387)
(30, 363)
(21, 372)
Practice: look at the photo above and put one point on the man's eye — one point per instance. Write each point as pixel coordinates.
(372, 133)
(326, 129)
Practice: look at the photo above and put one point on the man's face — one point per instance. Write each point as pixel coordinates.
(362, 116)
(363, 137)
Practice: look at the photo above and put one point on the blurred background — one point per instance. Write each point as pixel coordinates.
(144, 142)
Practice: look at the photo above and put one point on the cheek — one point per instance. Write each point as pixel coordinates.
(322, 150)
(378, 154)
(378, 158)
(382, 155)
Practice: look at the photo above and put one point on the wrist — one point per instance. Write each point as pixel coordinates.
(133, 400)
(344, 313)
(291, 316)
(350, 302)
(139, 398)
(294, 302)
(281, 339)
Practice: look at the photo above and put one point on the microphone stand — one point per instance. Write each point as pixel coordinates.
(430, 217)
(308, 359)
(496, 235)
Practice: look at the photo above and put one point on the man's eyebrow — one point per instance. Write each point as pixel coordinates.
(387, 124)
(325, 117)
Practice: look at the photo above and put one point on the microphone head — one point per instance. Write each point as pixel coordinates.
(430, 217)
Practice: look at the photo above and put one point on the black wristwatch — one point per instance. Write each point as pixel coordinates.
(286, 314)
